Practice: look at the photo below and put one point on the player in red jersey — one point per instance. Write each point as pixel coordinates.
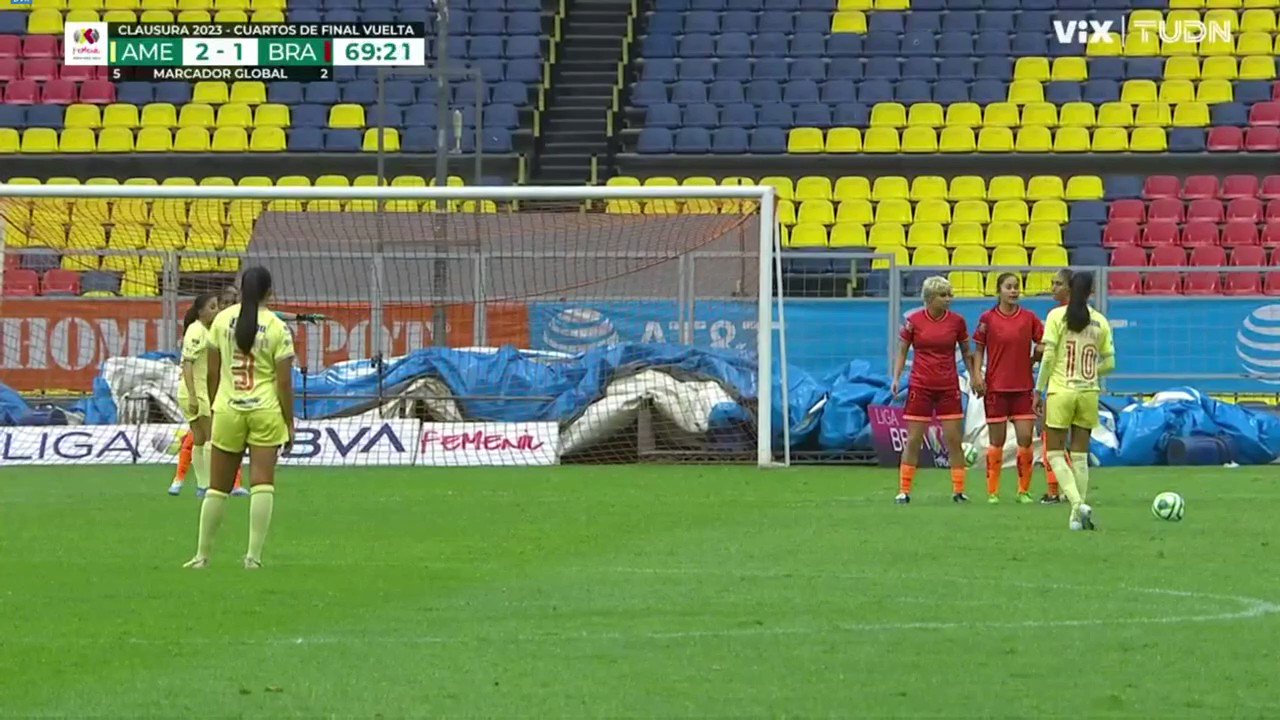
(1010, 337)
(934, 386)
(1061, 290)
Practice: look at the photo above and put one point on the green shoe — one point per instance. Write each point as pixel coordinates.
(1025, 498)
(993, 499)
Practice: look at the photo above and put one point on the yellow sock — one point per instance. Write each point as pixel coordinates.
(1066, 480)
(1080, 467)
(210, 519)
(200, 464)
(262, 500)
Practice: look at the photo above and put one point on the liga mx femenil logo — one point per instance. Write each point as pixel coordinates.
(87, 36)
(1258, 344)
(578, 329)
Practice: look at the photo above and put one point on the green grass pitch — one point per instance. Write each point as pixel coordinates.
(639, 591)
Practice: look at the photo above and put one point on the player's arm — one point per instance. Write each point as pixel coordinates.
(215, 370)
(1037, 340)
(299, 317)
(1106, 348)
(1052, 333)
(980, 340)
(283, 358)
(971, 364)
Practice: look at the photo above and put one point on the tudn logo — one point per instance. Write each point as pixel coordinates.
(578, 329)
(87, 36)
(1258, 344)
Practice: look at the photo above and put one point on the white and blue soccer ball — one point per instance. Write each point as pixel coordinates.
(1168, 506)
(970, 453)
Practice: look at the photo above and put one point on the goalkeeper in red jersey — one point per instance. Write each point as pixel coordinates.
(1010, 337)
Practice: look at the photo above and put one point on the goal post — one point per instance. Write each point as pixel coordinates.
(589, 268)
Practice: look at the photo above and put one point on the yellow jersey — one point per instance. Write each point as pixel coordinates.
(249, 382)
(195, 343)
(1080, 358)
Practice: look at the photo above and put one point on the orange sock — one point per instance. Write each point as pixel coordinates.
(995, 458)
(957, 480)
(906, 475)
(237, 479)
(184, 458)
(1048, 469)
(1026, 459)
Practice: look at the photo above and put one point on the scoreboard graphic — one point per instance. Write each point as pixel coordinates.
(241, 51)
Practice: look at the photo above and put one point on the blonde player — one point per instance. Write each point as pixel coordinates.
(1077, 351)
(252, 409)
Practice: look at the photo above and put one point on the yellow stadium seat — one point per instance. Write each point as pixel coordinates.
(323, 206)
(617, 207)
(889, 115)
(1257, 68)
(1115, 114)
(159, 4)
(805, 140)
(207, 214)
(928, 115)
(121, 4)
(234, 115)
(960, 234)
(1110, 139)
(623, 181)
(1139, 43)
(86, 16)
(76, 5)
(39, 140)
(231, 16)
(1183, 68)
(783, 186)
(1071, 140)
(159, 115)
(1219, 68)
(855, 211)
(1006, 187)
(139, 282)
(267, 139)
(267, 4)
(967, 187)
(158, 16)
(899, 254)
(77, 140)
(656, 181)
(230, 139)
(1179, 47)
(194, 16)
(1214, 91)
(1043, 233)
(390, 140)
(1148, 139)
(1108, 46)
(191, 139)
(1009, 256)
(965, 115)
(1218, 46)
(849, 21)
(971, 211)
(816, 211)
(196, 115)
(1191, 114)
(786, 212)
(44, 22)
(928, 187)
(808, 235)
(812, 187)
(848, 235)
(1155, 114)
(888, 234)
(1175, 91)
(1069, 69)
(1041, 114)
(1022, 92)
(919, 140)
(1035, 69)
(1044, 187)
(852, 187)
(966, 283)
(1049, 256)
(957, 140)
(1011, 211)
(88, 212)
(880, 140)
(890, 187)
(249, 92)
(179, 181)
(894, 210)
(80, 263)
(82, 116)
(271, 115)
(1001, 114)
(141, 181)
(169, 237)
(1136, 91)
(210, 92)
(930, 256)
(115, 140)
(344, 116)
(87, 237)
(1003, 233)
(933, 210)
(153, 139)
(1258, 20)
(1175, 4)
(1054, 211)
(1033, 140)
(970, 255)
(844, 140)
(995, 140)
(335, 181)
(117, 16)
(130, 211)
(921, 234)
(845, 5)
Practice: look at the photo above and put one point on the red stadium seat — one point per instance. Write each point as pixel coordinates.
(1119, 233)
(1200, 233)
(1238, 186)
(98, 92)
(79, 73)
(1265, 113)
(1162, 283)
(1208, 256)
(1249, 256)
(21, 283)
(10, 69)
(41, 46)
(1275, 90)
(12, 261)
(1272, 212)
(21, 92)
(1262, 139)
(1135, 210)
(1202, 283)
(1161, 186)
(1270, 188)
(1159, 233)
(1239, 234)
(1168, 256)
(40, 69)
(1166, 209)
(1198, 187)
(1271, 284)
(1128, 256)
(1125, 283)
(1210, 210)
(1242, 283)
(1246, 208)
(1271, 234)
(60, 92)
(1225, 139)
(10, 46)
(61, 282)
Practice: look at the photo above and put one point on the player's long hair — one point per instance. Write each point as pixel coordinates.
(254, 288)
(1078, 306)
(193, 312)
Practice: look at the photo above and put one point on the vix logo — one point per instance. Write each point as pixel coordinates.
(1083, 32)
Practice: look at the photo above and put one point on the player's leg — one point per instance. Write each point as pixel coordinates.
(950, 412)
(997, 434)
(1086, 419)
(201, 429)
(184, 463)
(1022, 412)
(1052, 495)
(230, 431)
(238, 490)
(267, 435)
(1059, 414)
(910, 458)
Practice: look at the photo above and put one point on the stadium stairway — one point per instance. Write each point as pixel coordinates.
(575, 125)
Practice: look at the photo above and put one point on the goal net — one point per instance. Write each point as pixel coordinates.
(435, 325)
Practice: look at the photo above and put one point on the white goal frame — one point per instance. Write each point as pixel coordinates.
(770, 263)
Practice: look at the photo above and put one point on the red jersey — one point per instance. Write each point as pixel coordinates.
(934, 341)
(1009, 340)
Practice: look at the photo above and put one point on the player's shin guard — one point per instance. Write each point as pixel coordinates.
(262, 500)
(1025, 460)
(1080, 469)
(906, 476)
(995, 458)
(200, 463)
(957, 480)
(1050, 475)
(211, 510)
(184, 458)
(1066, 479)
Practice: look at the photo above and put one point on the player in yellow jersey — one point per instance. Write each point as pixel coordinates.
(252, 393)
(1077, 352)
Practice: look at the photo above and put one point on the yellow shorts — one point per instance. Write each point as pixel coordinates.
(233, 430)
(1070, 408)
(202, 411)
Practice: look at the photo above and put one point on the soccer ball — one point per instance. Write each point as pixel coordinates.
(970, 453)
(1168, 506)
